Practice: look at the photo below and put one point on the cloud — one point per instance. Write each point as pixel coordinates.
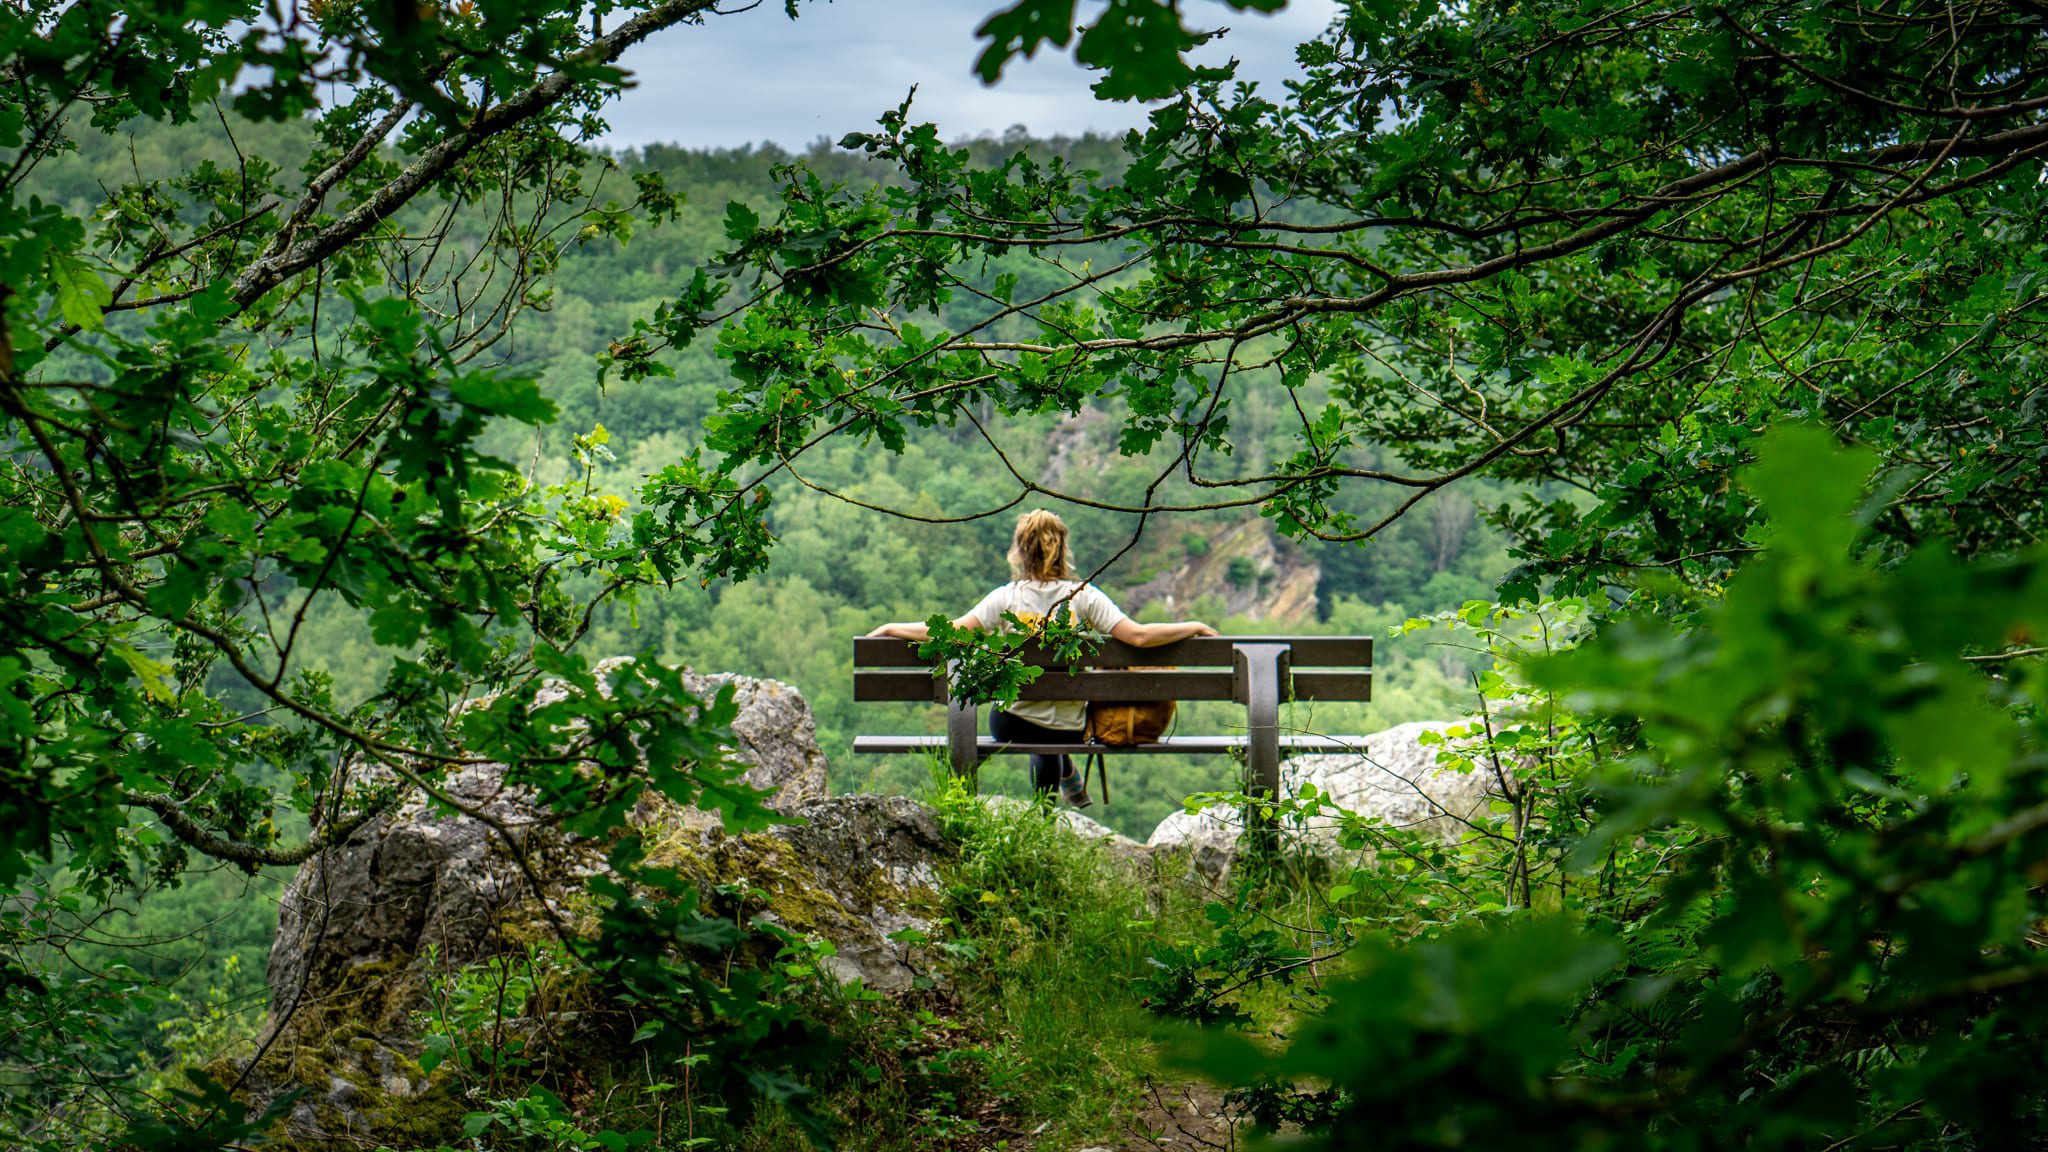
(757, 76)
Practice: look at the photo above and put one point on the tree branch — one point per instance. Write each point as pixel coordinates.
(274, 269)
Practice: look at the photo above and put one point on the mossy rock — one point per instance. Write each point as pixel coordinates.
(854, 870)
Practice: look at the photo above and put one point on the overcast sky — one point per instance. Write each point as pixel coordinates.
(758, 76)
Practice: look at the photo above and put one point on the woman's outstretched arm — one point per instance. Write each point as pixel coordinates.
(1153, 635)
(915, 630)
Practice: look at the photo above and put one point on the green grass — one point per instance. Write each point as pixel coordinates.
(1060, 928)
(1033, 1025)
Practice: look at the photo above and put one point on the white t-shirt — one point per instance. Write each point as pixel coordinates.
(1030, 601)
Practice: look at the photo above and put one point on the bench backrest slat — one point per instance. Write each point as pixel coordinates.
(1201, 652)
(920, 684)
(917, 685)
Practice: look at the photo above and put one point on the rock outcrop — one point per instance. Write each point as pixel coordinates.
(1246, 569)
(428, 888)
(358, 922)
(778, 738)
(1393, 777)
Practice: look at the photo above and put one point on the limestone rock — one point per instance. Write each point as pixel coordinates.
(857, 871)
(1398, 780)
(415, 879)
(357, 922)
(346, 972)
(1391, 776)
(778, 738)
(1247, 568)
(1208, 838)
(777, 735)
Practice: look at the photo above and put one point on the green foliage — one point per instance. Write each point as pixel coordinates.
(650, 951)
(205, 1117)
(1048, 936)
(838, 569)
(238, 396)
(52, 1018)
(193, 468)
(1195, 981)
(1139, 45)
(539, 1119)
(222, 1026)
(1836, 937)
(981, 665)
(465, 1025)
(1295, 908)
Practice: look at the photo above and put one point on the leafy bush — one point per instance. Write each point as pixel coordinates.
(1805, 910)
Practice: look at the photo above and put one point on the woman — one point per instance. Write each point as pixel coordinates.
(1044, 578)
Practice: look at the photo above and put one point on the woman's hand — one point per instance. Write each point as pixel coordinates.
(1197, 628)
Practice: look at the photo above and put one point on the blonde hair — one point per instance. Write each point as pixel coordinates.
(1038, 549)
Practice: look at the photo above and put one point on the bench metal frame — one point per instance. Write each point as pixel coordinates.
(1264, 672)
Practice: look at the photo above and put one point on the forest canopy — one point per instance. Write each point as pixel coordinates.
(1709, 336)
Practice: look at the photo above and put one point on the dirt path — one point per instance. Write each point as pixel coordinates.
(1176, 1117)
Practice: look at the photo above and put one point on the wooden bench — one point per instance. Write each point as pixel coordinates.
(1259, 672)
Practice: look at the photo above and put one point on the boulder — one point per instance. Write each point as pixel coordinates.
(858, 870)
(1393, 777)
(1207, 838)
(1396, 778)
(359, 921)
(778, 738)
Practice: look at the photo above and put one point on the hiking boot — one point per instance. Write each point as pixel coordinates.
(1074, 789)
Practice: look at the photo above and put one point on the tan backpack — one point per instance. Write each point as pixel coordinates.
(1121, 723)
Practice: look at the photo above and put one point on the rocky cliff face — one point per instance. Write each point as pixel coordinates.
(359, 922)
(1241, 565)
(1245, 568)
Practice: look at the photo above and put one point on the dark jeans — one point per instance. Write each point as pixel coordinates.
(1046, 771)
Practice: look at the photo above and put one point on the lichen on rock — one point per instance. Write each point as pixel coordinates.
(348, 972)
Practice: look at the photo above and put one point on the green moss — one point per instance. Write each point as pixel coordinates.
(340, 1037)
(424, 1119)
(428, 1118)
(766, 863)
(355, 1032)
